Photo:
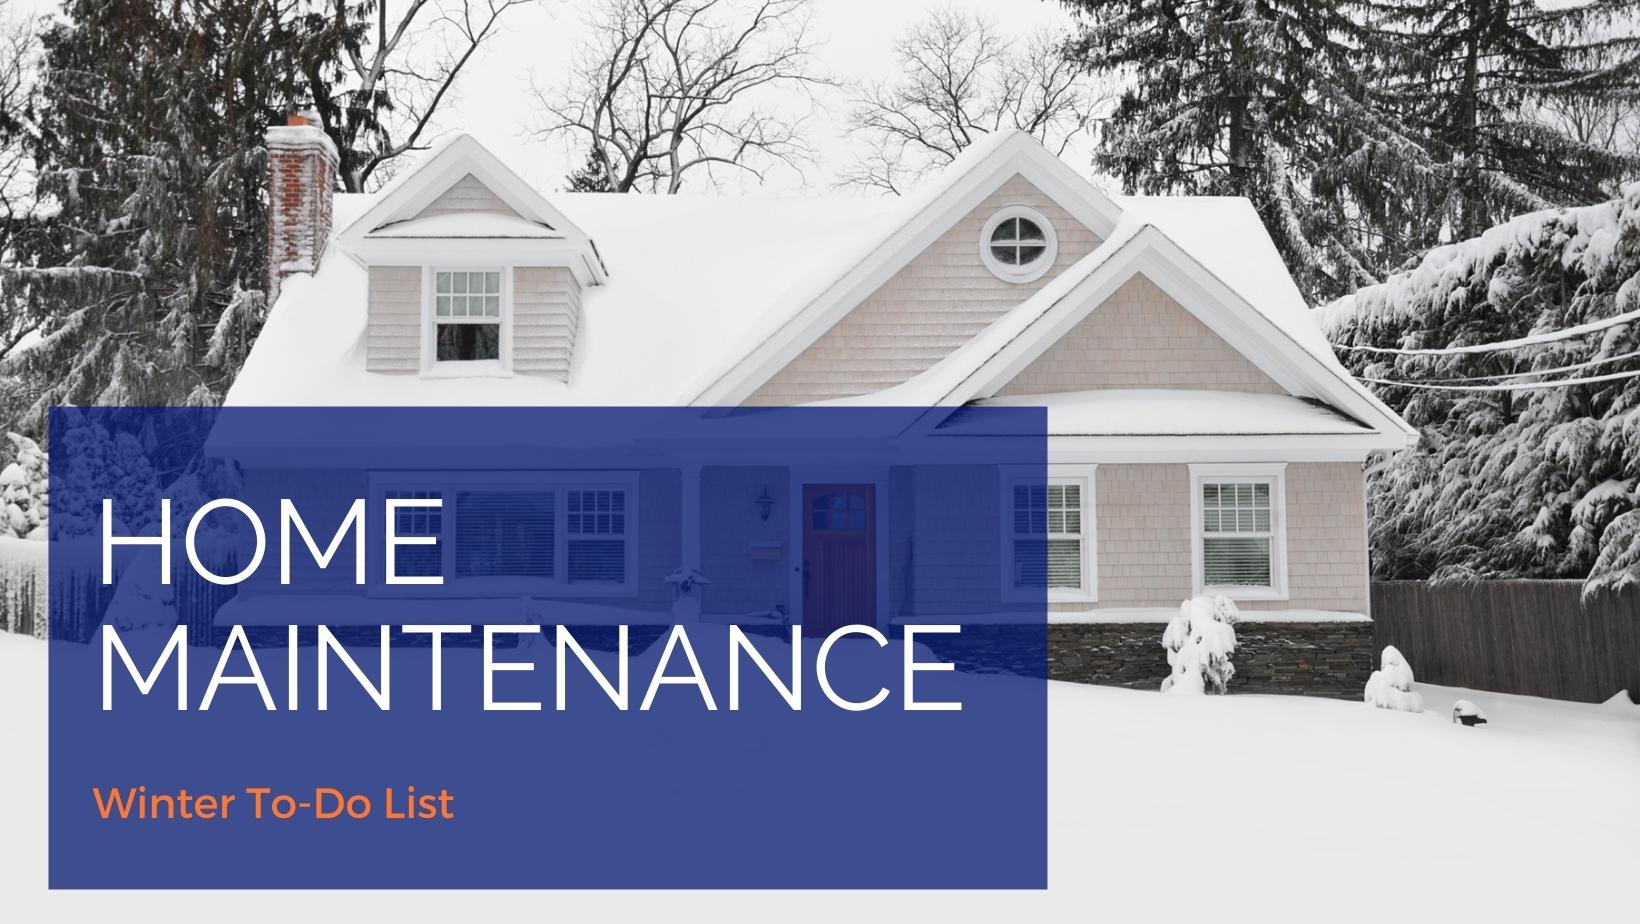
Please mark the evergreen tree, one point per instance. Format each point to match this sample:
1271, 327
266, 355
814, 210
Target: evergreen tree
1468, 79
1366, 131
1528, 463
150, 140
1238, 98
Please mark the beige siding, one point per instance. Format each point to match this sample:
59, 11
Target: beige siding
467, 195
1140, 338
546, 312
393, 340
941, 299
1145, 545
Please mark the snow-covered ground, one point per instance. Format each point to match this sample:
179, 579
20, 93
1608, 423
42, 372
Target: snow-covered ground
1163, 807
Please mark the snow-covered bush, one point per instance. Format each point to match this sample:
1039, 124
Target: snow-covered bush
24, 489
93, 457
1199, 643
1390, 686
686, 592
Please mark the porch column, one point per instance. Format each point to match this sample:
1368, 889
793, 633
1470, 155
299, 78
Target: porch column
690, 539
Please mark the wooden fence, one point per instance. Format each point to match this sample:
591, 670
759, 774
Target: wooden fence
1538, 638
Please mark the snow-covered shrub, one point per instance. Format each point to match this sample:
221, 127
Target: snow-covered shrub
24, 489
1390, 686
93, 457
1199, 643
686, 592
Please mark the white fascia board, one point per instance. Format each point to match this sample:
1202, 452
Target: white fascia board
467, 251
1021, 155
1206, 449
462, 156
1207, 298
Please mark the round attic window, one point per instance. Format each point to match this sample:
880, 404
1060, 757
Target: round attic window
1018, 244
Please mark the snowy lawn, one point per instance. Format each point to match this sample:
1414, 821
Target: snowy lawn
1262, 807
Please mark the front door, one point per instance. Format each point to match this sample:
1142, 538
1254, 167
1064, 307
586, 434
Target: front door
839, 556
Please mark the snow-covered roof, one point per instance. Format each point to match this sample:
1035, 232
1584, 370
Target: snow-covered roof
701, 290
688, 276
1170, 412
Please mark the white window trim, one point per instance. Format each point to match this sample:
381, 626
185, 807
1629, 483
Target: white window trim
430, 366
1276, 474
1082, 473
1018, 274
555, 481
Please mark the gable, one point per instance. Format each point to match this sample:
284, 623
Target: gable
1140, 337
468, 194
935, 303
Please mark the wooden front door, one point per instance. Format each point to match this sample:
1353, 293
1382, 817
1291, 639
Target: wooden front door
839, 556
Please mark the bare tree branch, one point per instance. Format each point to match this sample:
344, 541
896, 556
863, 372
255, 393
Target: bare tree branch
394, 74
668, 89
960, 79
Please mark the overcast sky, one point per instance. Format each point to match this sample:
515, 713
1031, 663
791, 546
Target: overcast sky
496, 106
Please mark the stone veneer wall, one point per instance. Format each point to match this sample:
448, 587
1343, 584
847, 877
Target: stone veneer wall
1330, 659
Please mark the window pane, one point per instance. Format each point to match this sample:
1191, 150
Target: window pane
1236, 562
504, 533
492, 283
1065, 563
443, 308
1028, 231
1030, 254
600, 561
458, 306
462, 342
492, 306
1048, 563
417, 560
1006, 253
443, 282
459, 282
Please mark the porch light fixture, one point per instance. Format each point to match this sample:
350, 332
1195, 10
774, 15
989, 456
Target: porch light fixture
765, 504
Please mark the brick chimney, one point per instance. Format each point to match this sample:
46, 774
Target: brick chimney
301, 182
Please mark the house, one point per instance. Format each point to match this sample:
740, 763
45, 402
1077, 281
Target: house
1202, 435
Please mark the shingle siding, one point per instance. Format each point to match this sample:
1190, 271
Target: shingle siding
1145, 543
938, 301
546, 308
467, 195
1140, 337
393, 338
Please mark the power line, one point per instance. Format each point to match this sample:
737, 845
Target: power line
1505, 376
1512, 386
1532, 340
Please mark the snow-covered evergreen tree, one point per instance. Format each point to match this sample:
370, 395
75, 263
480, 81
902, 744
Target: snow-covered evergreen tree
1365, 132
24, 489
1466, 78
1254, 98
1390, 686
1517, 474
149, 143
1199, 643
94, 456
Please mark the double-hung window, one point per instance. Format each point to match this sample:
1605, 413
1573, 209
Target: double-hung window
519, 533
468, 313
1239, 530
1048, 527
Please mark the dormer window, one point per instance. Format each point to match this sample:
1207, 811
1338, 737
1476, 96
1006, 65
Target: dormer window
1018, 244
467, 316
